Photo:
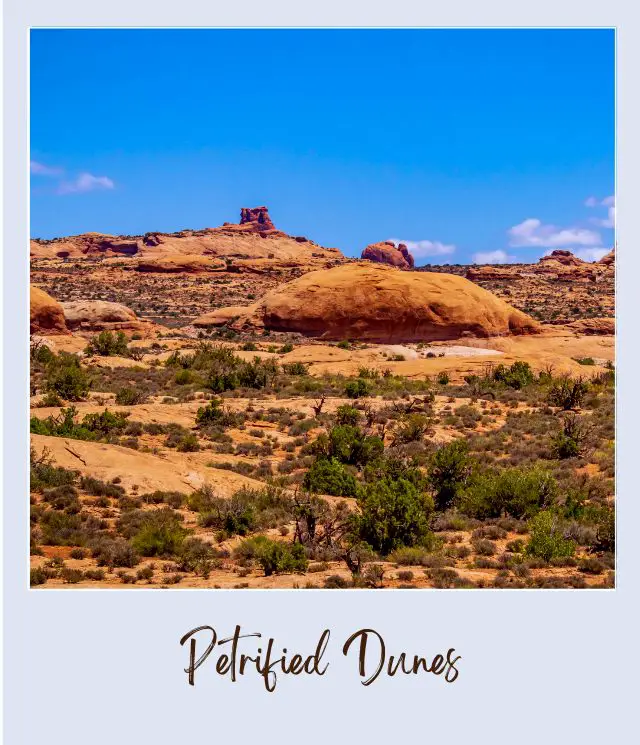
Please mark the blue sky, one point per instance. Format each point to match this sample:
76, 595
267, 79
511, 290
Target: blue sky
485, 145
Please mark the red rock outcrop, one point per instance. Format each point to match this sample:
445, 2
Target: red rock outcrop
386, 252
257, 217
383, 304
609, 259
46, 314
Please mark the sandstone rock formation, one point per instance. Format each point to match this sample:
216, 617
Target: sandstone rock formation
386, 252
609, 259
382, 304
562, 257
594, 326
254, 237
99, 315
257, 217
492, 273
177, 263
46, 314
86, 244
220, 317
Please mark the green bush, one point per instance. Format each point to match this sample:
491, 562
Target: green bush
348, 444
129, 397
546, 540
108, 344
516, 492
346, 414
212, 413
44, 474
188, 444
449, 471
393, 514
295, 368
66, 377
329, 476
159, 533
517, 376
357, 388
275, 557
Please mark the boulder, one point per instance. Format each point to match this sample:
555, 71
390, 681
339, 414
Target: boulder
46, 314
382, 304
100, 315
386, 252
220, 317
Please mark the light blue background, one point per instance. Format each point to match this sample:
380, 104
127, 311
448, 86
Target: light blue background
106, 667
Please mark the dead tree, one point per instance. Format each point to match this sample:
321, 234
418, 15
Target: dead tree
317, 407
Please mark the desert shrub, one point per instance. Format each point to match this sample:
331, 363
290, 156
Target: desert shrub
61, 529
66, 377
569, 443
444, 578
295, 368
196, 556
38, 576
114, 552
275, 557
153, 533
517, 376
392, 514
348, 415
606, 531
336, 582
443, 378
145, 573
418, 555
483, 547
44, 474
184, 377
188, 444
97, 488
71, 576
567, 393
285, 348
108, 344
449, 470
92, 427
357, 388
412, 428
94, 574
212, 413
130, 396
517, 492
350, 445
546, 539
329, 476
406, 575
249, 346
63, 498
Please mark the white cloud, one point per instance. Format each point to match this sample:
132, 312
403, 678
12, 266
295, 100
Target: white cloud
423, 249
610, 203
493, 257
85, 182
40, 169
592, 254
532, 232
